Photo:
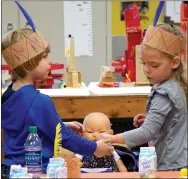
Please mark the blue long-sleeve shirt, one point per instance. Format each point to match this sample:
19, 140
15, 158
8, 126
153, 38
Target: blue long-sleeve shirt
28, 107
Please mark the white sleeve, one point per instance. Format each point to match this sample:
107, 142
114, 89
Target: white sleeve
116, 156
79, 156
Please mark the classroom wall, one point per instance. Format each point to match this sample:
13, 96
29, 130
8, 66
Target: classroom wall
51, 24
108, 31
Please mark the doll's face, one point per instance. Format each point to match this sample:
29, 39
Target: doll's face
96, 125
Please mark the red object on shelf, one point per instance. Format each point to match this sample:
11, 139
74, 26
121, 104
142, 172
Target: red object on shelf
183, 21
184, 11
59, 76
134, 37
50, 79
5, 67
57, 66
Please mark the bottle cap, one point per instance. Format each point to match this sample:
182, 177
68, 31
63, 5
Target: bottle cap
33, 129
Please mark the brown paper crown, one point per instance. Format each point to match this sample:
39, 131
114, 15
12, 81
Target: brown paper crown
24, 50
164, 41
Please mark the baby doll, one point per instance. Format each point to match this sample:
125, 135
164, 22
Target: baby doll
95, 124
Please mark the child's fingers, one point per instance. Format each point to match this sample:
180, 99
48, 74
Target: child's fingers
135, 125
135, 122
79, 125
139, 116
140, 121
142, 115
107, 140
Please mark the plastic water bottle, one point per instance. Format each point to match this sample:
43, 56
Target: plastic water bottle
33, 152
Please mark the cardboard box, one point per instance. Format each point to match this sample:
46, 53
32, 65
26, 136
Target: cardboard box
140, 77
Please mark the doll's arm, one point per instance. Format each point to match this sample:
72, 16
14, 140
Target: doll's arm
119, 162
121, 166
80, 157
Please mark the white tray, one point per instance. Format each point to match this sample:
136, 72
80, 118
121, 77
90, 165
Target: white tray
119, 91
83, 91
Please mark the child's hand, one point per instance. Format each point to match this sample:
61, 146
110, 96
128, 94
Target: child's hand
139, 120
104, 148
104, 136
75, 126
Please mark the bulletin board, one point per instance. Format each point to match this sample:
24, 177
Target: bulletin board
118, 25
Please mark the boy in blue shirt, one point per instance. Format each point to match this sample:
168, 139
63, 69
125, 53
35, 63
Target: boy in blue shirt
27, 55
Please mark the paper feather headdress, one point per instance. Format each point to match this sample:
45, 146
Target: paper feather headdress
164, 41
27, 48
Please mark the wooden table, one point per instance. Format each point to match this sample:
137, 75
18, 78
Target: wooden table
76, 104
113, 106
128, 175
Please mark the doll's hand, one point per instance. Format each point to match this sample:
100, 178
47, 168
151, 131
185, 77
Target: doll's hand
139, 120
104, 148
75, 126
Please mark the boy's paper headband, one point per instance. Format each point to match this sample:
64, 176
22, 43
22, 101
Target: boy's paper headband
27, 48
164, 41
24, 50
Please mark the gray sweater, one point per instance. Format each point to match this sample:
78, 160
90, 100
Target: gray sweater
165, 126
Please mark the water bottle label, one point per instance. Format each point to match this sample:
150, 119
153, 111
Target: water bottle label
33, 158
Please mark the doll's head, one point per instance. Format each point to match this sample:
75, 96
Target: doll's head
96, 123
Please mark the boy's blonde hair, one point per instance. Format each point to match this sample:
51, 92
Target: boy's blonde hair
11, 38
179, 72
